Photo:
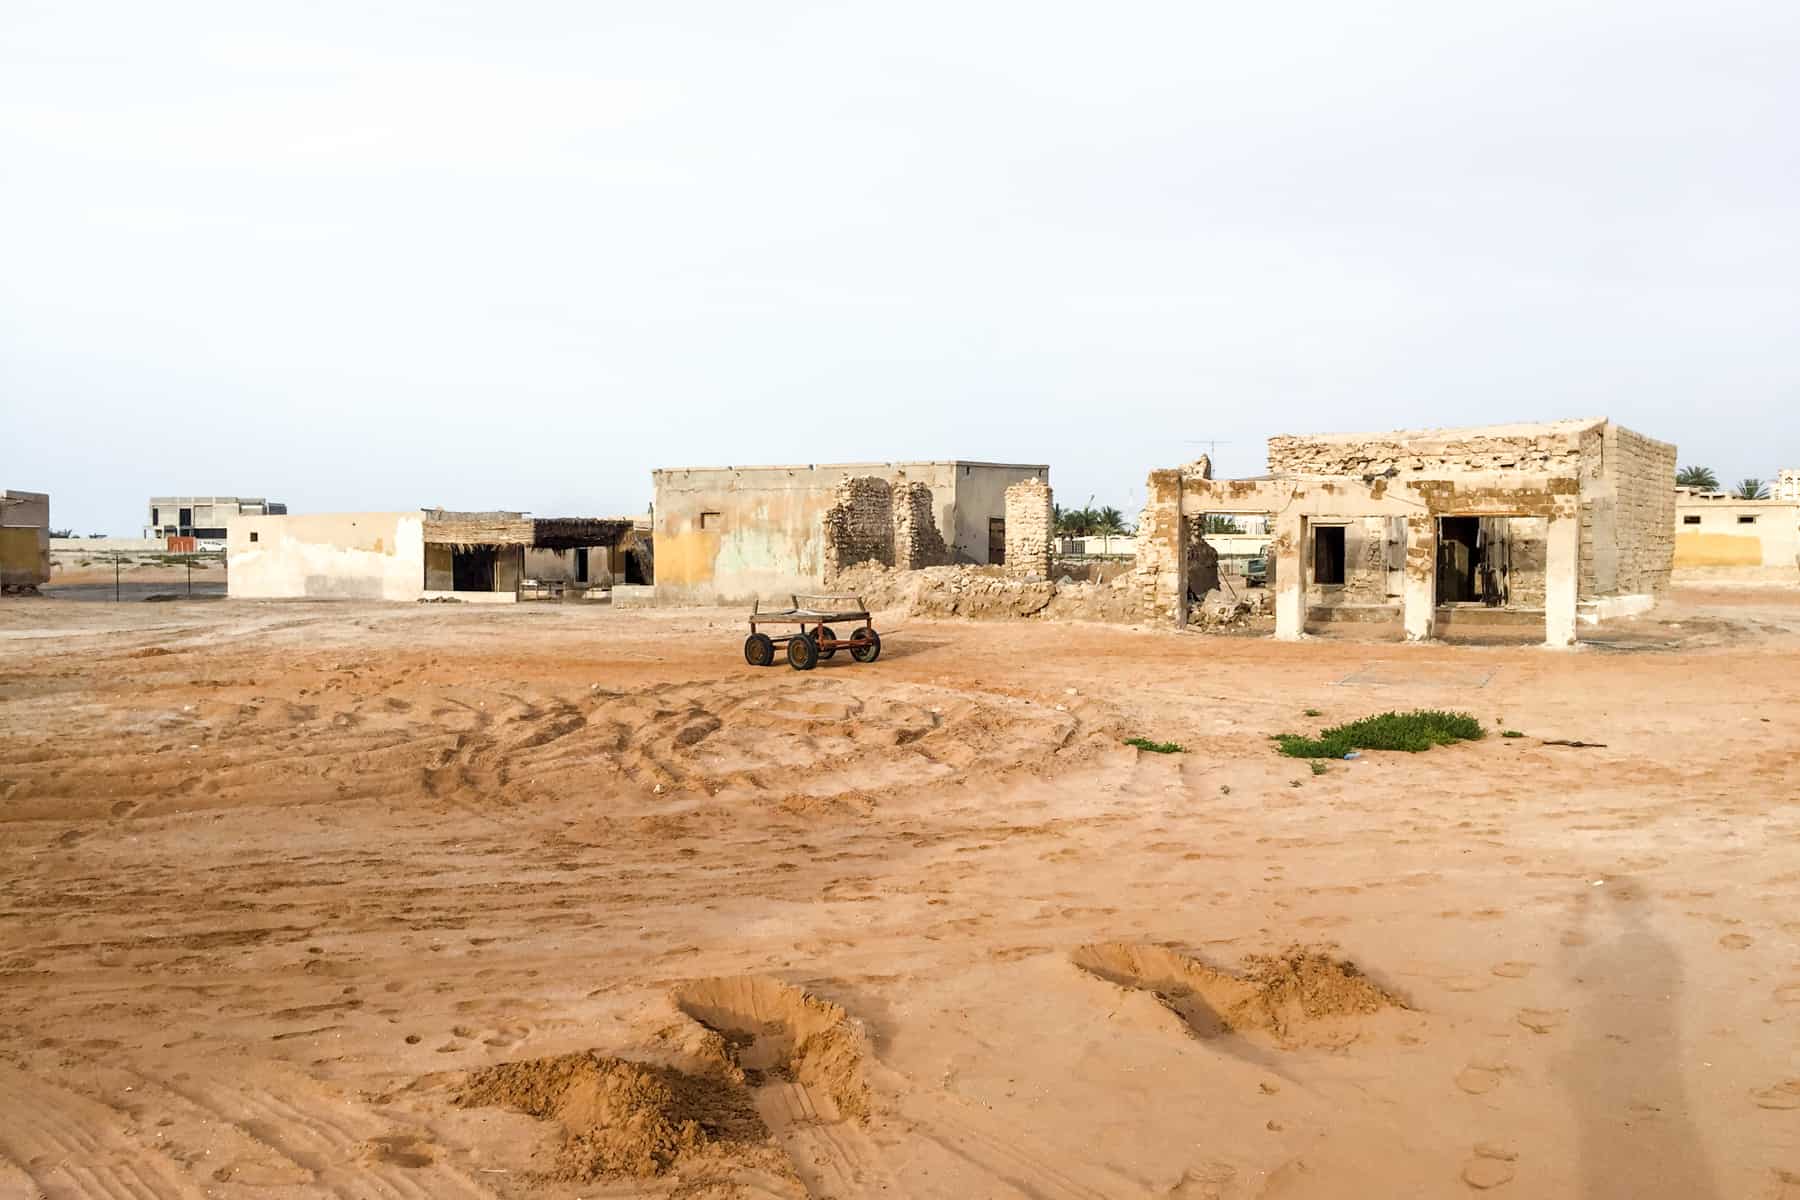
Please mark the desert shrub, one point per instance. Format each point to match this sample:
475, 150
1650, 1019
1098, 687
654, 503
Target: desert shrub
1413, 731
1155, 747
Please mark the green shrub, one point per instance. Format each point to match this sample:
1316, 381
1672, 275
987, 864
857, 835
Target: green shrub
1318, 768
1412, 732
1155, 747
1512, 733
1313, 712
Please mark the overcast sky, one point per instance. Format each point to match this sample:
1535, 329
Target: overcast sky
515, 255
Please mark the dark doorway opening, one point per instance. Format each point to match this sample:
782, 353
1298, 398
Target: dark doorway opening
638, 568
1458, 559
581, 564
1473, 561
996, 539
472, 570
1328, 555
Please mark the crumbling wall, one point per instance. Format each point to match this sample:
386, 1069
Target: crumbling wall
1545, 449
859, 525
1030, 525
917, 540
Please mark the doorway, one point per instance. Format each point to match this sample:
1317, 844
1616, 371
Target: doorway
996, 540
581, 564
1472, 561
1328, 555
472, 569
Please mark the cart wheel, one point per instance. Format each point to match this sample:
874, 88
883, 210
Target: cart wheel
869, 652
759, 651
826, 634
803, 652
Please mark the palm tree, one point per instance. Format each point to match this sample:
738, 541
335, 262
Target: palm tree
1752, 489
1217, 524
1697, 477
1109, 523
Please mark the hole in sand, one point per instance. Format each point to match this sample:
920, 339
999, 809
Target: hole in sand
776, 1029
1300, 996
620, 1117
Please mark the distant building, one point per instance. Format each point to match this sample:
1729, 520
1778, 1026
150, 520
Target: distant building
1787, 486
203, 516
1727, 538
24, 540
428, 554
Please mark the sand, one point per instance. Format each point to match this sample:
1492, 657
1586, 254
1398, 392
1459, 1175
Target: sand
305, 900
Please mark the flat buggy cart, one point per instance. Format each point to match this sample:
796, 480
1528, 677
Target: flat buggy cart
805, 647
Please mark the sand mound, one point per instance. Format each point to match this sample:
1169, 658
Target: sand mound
620, 1117
774, 1028
1299, 996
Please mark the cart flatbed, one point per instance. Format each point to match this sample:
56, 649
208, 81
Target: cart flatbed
805, 649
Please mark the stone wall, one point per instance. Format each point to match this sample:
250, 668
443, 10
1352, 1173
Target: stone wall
1643, 471
1553, 449
859, 525
917, 541
1030, 528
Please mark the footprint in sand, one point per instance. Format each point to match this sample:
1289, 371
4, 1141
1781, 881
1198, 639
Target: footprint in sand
1513, 970
1736, 941
1788, 993
1784, 1096
1489, 1167
1541, 1020
1480, 1078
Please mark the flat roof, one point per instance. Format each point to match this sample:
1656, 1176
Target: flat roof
847, 466
1513, 429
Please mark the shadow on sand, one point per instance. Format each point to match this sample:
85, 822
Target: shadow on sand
1622, 1069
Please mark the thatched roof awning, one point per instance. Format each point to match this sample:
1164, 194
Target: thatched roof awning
477, 528
569, 533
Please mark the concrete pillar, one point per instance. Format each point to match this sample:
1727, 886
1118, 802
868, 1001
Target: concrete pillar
1287, 549
1562, 574
1418, 588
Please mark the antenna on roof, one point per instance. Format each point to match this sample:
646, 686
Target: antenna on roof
1211, 444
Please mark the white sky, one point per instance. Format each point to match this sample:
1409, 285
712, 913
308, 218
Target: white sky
514, 255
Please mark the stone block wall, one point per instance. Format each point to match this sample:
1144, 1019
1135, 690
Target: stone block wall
1627, 513
1643, 470
859, 525
1548, 449
1030, 528
917, 541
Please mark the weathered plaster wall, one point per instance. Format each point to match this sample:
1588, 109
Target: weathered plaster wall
1030, 526
367, 556
980, 495
560, 565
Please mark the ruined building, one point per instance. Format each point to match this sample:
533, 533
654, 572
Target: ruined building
1571, 519
729, 534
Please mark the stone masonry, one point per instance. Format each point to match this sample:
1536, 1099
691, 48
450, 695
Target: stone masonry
1030, 528
859, 525
917, 542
